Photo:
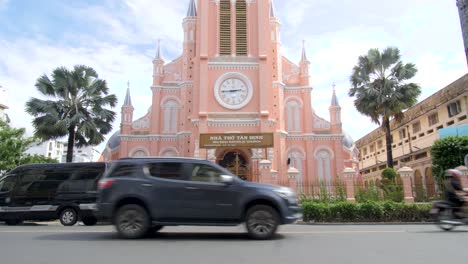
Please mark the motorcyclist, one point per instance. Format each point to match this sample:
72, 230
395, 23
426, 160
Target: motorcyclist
452, 189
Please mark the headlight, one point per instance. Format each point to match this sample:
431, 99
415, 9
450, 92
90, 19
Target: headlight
287, 194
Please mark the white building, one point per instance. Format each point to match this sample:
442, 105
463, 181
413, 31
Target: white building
52, 149
83, 154
3, 103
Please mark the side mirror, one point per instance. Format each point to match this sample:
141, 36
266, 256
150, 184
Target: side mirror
227, 179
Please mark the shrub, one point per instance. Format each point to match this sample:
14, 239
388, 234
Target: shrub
367, 195
389, 174
387, 211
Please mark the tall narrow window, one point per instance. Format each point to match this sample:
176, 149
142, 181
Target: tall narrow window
323, 158
241, 28
225, 27
293, 116
171, 113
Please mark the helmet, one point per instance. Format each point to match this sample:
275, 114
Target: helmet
452, 173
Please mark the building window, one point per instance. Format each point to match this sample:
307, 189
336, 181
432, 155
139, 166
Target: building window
416, 127
364, 151
371, 148
433, 119
453, 108
171, 114
225, 27
293, 116
241, 28
402, 133
379, 144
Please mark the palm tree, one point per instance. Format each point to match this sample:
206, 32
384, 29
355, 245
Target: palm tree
379, 82
75, 107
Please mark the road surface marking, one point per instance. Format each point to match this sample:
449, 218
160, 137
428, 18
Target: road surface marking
209, 232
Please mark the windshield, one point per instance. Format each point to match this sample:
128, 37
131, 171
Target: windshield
7, 183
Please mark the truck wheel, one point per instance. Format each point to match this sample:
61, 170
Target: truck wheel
68, 217
262, 222
13, 222
89, 221
132, 221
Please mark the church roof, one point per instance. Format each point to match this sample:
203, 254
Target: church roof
158, 51
114, 140
272, 9
128, 98
304, 56
192, 10
334, 101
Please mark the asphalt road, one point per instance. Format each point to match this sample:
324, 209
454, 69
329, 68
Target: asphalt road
392, 244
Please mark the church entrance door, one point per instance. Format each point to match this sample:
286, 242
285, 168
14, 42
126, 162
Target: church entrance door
236, 162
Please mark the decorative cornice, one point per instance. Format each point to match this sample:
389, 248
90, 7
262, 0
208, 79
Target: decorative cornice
233, 123
232, 66
173, 86
315, 137
155, 137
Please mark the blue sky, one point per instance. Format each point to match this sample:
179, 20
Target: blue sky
118, 37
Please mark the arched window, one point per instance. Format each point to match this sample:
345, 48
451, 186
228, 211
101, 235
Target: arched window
169, 153
293, 116
225, 27
323, 158
171, 114
139, 153
241, 28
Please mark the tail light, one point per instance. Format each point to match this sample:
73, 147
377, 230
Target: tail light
105, 183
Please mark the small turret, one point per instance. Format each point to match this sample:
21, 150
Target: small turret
127, 112
335, 113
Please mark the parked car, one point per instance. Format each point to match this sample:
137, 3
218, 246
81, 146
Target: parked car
141, 195
45, 192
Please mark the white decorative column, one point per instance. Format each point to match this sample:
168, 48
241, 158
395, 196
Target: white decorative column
293, 173
349, 174
406, 174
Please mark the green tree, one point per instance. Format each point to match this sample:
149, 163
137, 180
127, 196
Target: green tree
75, 107
13, 144
379, 82
448, 153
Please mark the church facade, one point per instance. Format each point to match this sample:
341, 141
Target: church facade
233, 98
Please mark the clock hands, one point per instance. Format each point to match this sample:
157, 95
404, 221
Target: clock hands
231, 91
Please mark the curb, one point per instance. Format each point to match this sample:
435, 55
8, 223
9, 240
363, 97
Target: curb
364, 223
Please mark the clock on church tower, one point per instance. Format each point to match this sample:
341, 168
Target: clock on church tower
233, 91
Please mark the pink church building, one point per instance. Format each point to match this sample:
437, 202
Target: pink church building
233, 98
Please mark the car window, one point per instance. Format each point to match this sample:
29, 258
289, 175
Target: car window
167, 170
206, 173
87, 173
28, 178
7, 184
125, 170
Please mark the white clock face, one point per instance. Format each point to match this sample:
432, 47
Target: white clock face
233, 93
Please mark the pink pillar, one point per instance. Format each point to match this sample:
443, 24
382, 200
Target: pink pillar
265, 171
406, 174
292, 175
349, 174
464, 177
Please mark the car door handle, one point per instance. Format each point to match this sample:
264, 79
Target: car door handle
191, 188
147, 185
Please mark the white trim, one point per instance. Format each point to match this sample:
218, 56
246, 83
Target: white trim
136, 149
294, 98
166, 149
167, 98
298, 149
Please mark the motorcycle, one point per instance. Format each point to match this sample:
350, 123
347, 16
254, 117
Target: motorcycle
443, 214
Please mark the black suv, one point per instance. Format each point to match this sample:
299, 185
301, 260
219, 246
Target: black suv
142, 195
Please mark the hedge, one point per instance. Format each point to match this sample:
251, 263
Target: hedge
365, 212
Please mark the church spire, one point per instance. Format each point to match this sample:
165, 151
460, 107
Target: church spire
334, 101
192, 10
272, 9
128, 98
304, 56
158, 51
